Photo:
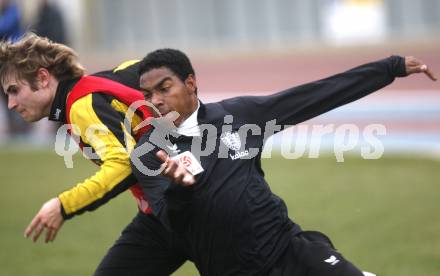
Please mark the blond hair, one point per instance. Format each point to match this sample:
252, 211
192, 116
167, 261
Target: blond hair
25, 57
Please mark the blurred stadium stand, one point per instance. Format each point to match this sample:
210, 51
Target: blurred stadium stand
262, 46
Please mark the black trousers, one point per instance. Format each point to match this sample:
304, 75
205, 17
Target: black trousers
144, 248
311, 253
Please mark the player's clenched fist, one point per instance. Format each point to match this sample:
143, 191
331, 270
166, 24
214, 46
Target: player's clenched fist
173, 170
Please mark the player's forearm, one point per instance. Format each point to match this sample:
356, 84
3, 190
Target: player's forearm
301, 103
113, 178
179, 200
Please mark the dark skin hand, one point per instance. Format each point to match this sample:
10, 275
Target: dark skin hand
414, 65
175, 171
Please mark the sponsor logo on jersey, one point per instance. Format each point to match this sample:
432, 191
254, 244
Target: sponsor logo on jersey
332, 260
173, 148
232, 141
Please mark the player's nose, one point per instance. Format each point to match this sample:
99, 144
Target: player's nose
12, 103
156, 99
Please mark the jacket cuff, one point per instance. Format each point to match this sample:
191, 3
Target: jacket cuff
63, 211
398, 66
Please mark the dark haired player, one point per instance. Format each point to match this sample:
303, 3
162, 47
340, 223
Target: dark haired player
226, 212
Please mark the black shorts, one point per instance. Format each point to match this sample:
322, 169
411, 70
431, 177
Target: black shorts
145, 247
311, 253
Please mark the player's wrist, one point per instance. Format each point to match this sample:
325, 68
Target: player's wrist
62, 209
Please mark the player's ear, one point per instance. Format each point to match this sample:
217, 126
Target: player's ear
43, 77
191, 83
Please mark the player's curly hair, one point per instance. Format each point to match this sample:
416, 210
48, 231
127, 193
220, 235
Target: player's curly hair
26, 56
172, 59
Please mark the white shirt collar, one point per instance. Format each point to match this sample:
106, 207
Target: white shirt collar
190, 127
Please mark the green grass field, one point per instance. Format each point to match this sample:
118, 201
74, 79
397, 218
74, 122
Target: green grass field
384, 215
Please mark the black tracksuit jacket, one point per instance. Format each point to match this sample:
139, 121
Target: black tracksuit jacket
233, 223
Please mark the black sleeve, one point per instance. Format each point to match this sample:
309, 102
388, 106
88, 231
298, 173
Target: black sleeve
169, 201
298, 104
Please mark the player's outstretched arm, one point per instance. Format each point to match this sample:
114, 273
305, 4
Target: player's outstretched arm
414, 66
301, 103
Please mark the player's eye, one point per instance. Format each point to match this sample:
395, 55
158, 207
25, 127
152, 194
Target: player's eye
164, 89
147, 95
12, 90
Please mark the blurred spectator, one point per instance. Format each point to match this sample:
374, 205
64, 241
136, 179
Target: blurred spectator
50, 22
10, 29
10, 20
